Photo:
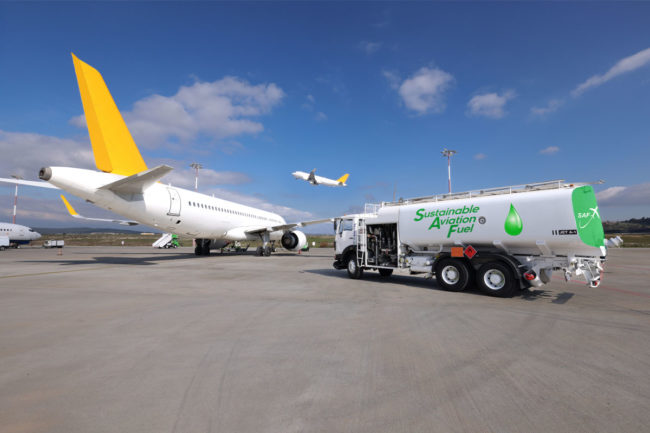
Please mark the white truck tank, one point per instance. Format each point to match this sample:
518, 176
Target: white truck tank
563, 221
499, 239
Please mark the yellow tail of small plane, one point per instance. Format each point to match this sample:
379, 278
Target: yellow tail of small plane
343, 178
113, 147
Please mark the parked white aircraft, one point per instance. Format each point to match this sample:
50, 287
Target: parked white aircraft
126, 186
319, 180
17, 234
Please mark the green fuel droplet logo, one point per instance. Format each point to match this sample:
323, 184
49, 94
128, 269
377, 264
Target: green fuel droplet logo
513, 224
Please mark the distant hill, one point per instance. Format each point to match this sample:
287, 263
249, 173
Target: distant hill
634, 225
59, 230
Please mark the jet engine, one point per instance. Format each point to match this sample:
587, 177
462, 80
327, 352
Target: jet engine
294, 240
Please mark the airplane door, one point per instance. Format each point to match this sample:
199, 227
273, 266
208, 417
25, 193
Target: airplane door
174, 202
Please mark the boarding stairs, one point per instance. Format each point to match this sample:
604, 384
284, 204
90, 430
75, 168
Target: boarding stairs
162, 241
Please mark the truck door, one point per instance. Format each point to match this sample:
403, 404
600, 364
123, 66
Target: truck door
344, 235
174, 202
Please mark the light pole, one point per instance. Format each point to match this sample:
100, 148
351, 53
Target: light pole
196, 166
448, 153
18, 177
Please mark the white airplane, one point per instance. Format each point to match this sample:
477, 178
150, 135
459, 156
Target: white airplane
126, 186
319, 180
17, 234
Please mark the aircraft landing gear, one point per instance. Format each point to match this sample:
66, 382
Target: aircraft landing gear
267, 246
202, 247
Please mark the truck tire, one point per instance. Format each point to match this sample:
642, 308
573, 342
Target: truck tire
259, 251
496, 279
452, 274
198, 249
267, 251
385, 272
354, 270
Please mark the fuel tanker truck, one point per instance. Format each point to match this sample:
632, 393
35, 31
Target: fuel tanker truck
500, 239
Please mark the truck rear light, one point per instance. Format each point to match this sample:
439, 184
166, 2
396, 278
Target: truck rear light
530, 276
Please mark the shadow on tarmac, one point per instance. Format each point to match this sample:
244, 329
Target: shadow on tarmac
430, 284
117, 260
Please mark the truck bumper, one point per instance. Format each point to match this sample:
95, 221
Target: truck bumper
338, 262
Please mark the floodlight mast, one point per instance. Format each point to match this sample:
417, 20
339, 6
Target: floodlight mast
196, 166
16, 176
448, 153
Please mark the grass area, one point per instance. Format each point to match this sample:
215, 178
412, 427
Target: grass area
321, 241
139, 240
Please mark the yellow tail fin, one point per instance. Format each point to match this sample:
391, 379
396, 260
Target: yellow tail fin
343, 178
113, 147
69, 206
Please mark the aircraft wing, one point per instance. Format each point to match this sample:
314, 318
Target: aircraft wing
269, 229
76, 215
28, 183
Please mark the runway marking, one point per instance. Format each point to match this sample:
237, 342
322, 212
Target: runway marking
56, 272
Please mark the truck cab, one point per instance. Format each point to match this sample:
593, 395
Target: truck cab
344, 235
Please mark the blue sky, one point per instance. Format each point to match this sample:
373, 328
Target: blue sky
524, 92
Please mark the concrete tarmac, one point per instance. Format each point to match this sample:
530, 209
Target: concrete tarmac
110, 339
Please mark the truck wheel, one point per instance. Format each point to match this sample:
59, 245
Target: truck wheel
385, 272
495, 279
354, 271
452, 274
267, 251
198, 249
259, 251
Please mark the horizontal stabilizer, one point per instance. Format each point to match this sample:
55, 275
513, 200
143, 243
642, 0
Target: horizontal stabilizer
76, 215
28, 183
137, 183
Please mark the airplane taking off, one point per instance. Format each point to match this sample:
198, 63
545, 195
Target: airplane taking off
17, 234
126, 186
319, 180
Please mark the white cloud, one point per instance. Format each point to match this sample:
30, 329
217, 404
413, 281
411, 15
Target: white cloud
310, 105
370, 47
424, 91
490, 105
480, 156
551, 107
207, 178
392, 77
25, 153
628, 64
219, 109
634, 195
551, 150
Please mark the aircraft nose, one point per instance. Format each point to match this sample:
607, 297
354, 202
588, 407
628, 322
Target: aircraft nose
37, 235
